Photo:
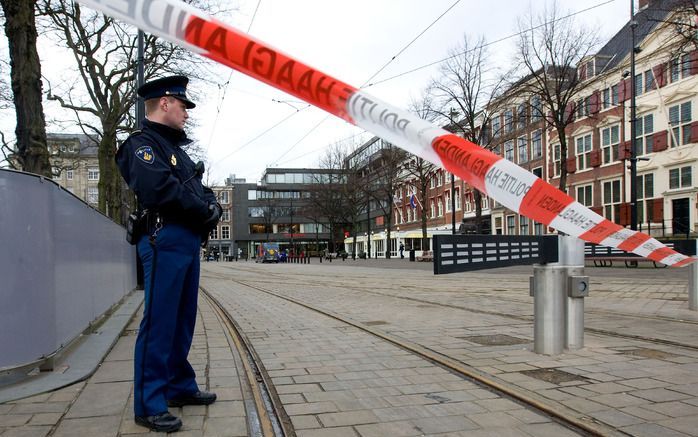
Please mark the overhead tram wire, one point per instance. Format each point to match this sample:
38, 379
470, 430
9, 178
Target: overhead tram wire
489, 44
374, 75
422, 67
450, 57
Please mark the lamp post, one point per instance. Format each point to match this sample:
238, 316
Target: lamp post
140, 104
453, 204
633, 124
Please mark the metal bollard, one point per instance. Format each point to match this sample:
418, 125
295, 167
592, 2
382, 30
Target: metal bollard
571, 255
693, 287
548, 289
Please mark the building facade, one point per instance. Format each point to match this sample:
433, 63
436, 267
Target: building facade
75, 165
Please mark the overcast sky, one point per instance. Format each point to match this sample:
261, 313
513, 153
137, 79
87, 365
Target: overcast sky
351, 41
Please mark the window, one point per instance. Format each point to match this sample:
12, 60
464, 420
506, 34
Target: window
584, 195
433, 209
255, 211
251, 194
583, 152
610, 139
644, 128
457, 198
614, 95
447, 200
69, 175
508, 121
536, 109
680, 120
440, 178
511, 225
538, 228
92, 174
214, 233
638, 84
469, 201
606, 98
521, 116
498, 226
556, 159
611, 200
680, 178
680, 68
645, 191
56, 172
523, 225
432, 182
649, 81
225, 232
538, 171
223, 198
440, 206
496, 126
523, 149
226, 215
536, 145
92, 195
509, 151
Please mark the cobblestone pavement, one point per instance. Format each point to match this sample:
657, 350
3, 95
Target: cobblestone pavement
337, 380
103, 405
638, 387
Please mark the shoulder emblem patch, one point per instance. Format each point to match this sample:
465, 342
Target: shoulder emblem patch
145, 154
173, 160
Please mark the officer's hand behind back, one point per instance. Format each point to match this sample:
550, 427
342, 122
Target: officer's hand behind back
215, 214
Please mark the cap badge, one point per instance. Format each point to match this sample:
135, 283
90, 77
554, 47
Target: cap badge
173, 160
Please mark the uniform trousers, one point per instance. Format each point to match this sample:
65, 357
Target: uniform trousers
171, 279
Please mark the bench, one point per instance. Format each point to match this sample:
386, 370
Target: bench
427, 255
630, 261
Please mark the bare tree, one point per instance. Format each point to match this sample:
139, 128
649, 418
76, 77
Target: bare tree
682, 18
417, 172
25, 72
466, 96
328, 191
384, 183
550, 47
102, 94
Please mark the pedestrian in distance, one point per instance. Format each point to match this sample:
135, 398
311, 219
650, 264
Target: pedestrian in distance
177, 215
402, 251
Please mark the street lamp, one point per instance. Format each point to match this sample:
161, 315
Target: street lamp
633, 123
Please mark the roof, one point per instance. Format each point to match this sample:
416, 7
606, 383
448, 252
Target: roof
649, 18
87, 145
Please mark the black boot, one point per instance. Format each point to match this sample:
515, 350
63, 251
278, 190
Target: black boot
198, 398
163, 422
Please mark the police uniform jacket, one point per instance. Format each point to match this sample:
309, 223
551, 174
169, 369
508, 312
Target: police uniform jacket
162, 175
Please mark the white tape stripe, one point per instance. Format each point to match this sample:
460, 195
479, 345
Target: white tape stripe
576, 219
648, 247
508, 183
396, 126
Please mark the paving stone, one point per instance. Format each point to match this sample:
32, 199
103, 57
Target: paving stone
660, 395
673, 409
347, 418
304, 422
327, 432
394, 429
443, 424
225, 427
651, 430
616, 418
311, 408
28, 431
105, 426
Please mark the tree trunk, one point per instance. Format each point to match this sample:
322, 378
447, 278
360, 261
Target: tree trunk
25, 74
563, 159
110, 186
477, 198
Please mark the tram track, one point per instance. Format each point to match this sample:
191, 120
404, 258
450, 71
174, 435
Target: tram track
582, 424
372, 289
264, 411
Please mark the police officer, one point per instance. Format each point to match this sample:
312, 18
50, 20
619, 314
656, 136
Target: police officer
180, 214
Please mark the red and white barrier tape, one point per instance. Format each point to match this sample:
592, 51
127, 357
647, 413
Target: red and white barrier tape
507, 183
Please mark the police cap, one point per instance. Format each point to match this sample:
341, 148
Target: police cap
172, 86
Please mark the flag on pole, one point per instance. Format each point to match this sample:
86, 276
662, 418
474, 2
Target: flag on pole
413, 200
